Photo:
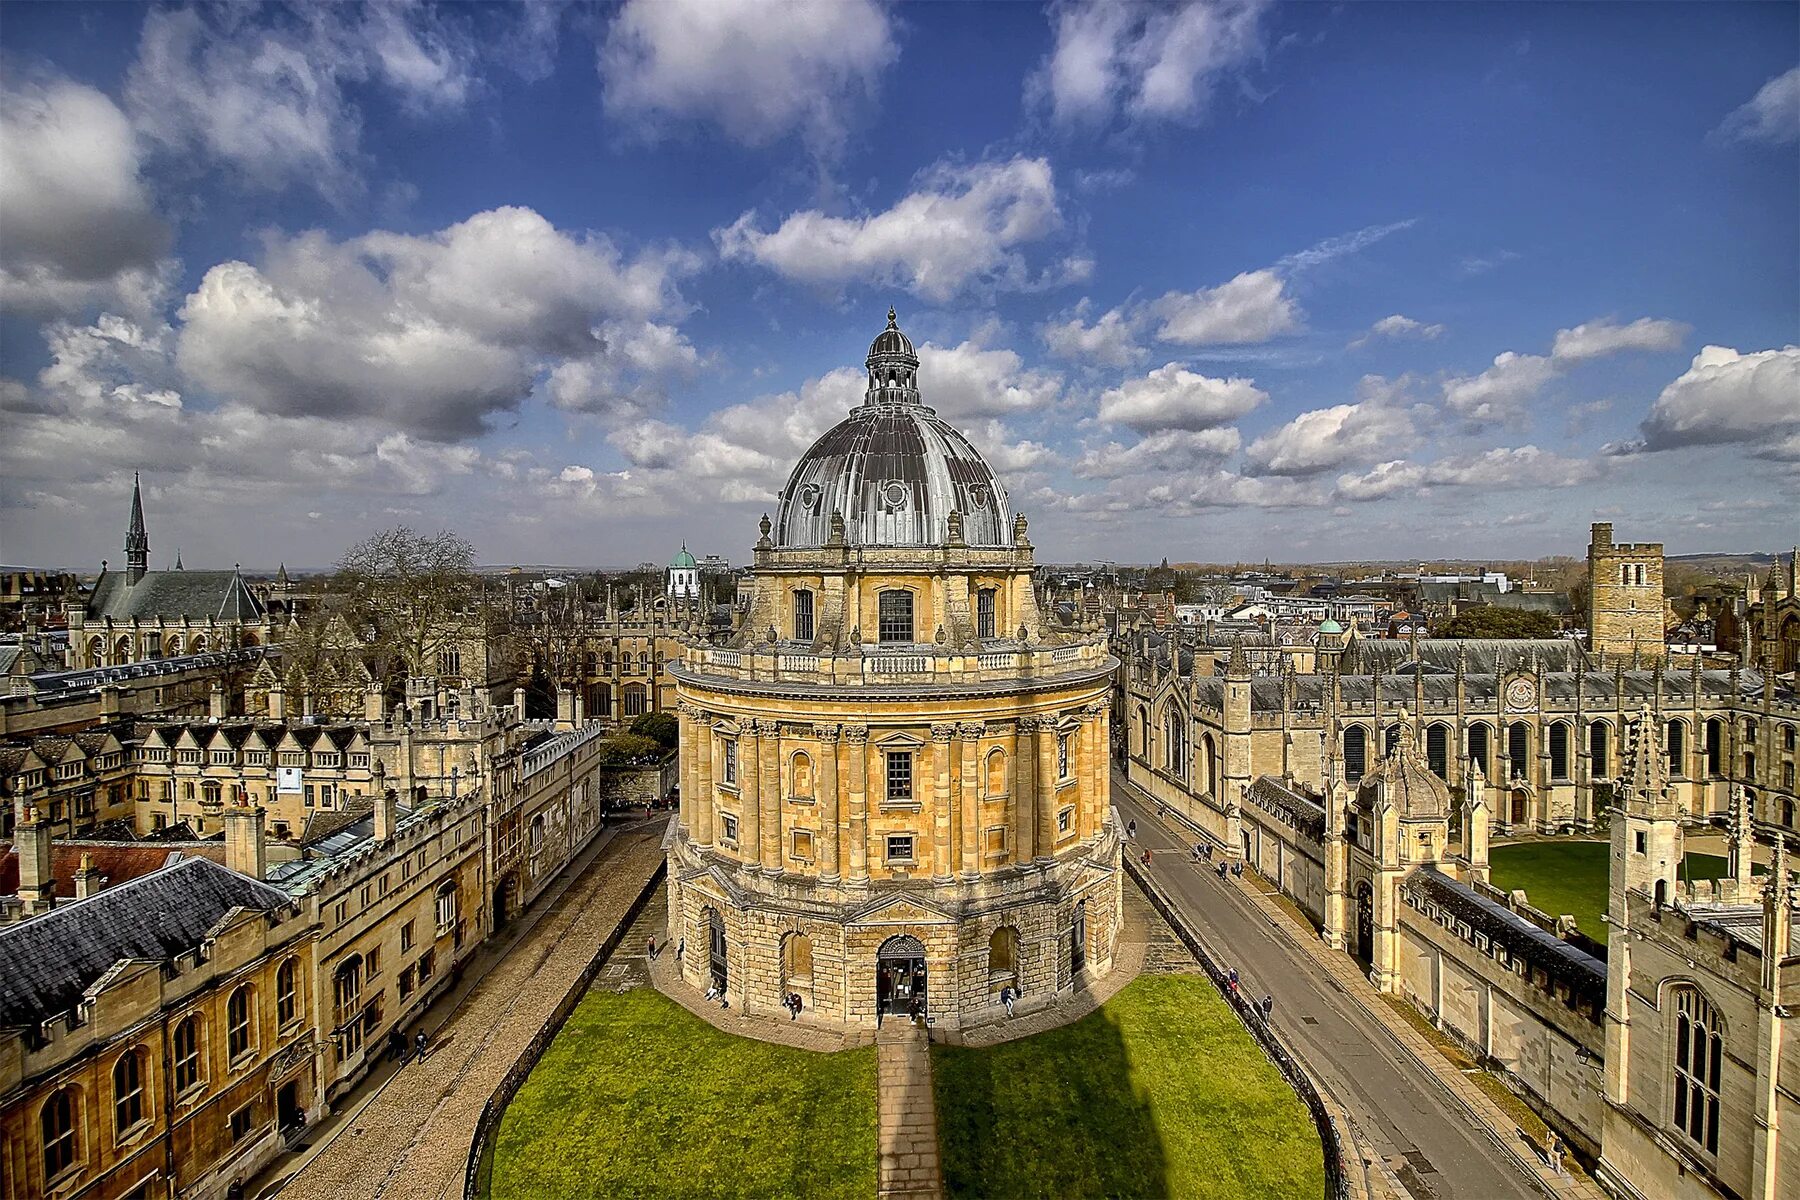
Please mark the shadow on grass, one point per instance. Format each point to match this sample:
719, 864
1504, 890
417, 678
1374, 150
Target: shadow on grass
1047, 1118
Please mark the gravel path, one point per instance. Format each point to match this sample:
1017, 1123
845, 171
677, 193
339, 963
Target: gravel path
411, 1142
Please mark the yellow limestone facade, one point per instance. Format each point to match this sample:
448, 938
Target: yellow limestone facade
894, 789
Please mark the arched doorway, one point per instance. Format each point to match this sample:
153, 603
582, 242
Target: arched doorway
1521, 805
506, 899
715, 937
900, 976
1365, 925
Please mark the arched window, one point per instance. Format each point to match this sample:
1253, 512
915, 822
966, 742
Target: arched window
287, 991
634, 699
1143, 731
1003, 956
187, 1054
128, 1091
1559, 751
450, 662
1518, 750
1437, 749
1788, 737
1175, 745
238, 1039
1676, 745
122, 651
895, 616
996, 772
797, 960
1356, 753
1390, 740
1478, 747
1787, 813
803, 615
984, 613
1698, 1049
1597, 749
58, 1124
1715, 747
199, 646
800, 776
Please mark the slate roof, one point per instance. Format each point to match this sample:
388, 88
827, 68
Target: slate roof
322, 825
1582, 972
1484, 655
1481, 691
172, 595
52, 959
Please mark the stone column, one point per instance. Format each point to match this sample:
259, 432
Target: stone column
826, 790
749, 754
856, 741
704, 799
1094, 751
941, 752
1047, 776
769, 789
972, 788
1023, 786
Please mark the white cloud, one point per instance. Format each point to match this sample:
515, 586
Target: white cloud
269, 99
1502, 467
1111, 341
970, 380
1725, 396
1253, 307
1325, 438
958, 226
81, 227
1398, 327
1172, 397
1597, 339
1501, 393
433, 333
759, 69
1168, 450
1772, 115
1142, 62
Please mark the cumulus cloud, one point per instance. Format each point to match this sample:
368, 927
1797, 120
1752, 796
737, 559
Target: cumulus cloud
1724, 397
1143, 63
1771, 116
432, 334
960, 225
1168, 450
972, 380
1110, 341
1398, 327
1253, 307
1502, 467
81, 227
1326, 438
270, 100
1502, 393
1173, 397
759, 69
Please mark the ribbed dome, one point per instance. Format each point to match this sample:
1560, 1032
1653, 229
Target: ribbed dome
1411, 785
893, 469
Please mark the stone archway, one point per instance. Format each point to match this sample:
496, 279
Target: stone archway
900, 976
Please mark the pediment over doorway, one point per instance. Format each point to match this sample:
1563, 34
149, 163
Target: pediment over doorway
901, 910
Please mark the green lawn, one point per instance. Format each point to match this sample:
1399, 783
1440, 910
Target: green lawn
1160, 1093
1571, 877
638, 1097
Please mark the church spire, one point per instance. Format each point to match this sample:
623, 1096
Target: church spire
137, 542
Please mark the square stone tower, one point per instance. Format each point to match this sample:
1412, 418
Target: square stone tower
1625, 595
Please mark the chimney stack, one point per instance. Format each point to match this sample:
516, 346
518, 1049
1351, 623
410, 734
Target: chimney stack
37, 882
245, 851
87, 878
215, 701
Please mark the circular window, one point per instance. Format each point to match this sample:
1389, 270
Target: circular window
809, 496
894, 494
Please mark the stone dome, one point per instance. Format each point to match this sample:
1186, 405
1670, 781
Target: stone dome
1411, 786
893, 469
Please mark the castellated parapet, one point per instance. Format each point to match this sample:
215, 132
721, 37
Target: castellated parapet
1625, 595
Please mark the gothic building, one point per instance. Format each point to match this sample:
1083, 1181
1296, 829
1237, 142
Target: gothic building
894, 787
1625, 595
1773, 619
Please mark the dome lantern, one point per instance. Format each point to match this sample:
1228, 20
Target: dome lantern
893, 367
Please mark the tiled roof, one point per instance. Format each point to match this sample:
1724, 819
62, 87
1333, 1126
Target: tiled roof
172, 595
117, 863
52, 959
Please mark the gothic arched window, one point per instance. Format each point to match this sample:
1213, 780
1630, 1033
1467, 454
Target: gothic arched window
1698, 1050
1175, 752
58, 1126
1356, 753
128, 1091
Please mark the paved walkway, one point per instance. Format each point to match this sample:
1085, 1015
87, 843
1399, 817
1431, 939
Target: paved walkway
406, 1136
907, 1128
1437, 1134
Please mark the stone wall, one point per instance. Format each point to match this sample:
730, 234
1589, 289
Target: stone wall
628, 786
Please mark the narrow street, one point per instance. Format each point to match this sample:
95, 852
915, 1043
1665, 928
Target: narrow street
1400, 1109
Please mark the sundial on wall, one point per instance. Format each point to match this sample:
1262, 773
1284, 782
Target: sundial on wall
1521, 693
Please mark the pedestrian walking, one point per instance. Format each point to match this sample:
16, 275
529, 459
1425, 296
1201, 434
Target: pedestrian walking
396, 1047
799, 1005
1268, 1006
651, 947
1146, 856
419, 1045
680, 949
1196, 852
712, 992
1221, 870
1131, 829
1237, 869
1007, 995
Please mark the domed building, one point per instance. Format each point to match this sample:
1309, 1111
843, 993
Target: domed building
684, 577
894, 774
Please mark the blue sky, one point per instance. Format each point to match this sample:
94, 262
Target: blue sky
1214, 282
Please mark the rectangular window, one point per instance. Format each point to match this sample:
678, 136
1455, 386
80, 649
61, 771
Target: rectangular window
1065, 820
728, 765
899, 776
896, 616
900, 848
984, 613
728, 827
995, 840
803, 616
406, 982
406, 936
1063, 756
425, 961
1640, 843
242, 1121
803, 845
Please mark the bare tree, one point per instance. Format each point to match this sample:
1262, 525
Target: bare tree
409, 595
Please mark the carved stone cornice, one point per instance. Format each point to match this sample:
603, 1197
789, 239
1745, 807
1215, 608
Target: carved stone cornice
943, 733
856, 735
970, 730
825, 733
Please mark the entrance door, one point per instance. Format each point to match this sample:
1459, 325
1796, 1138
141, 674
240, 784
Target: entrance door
900, 977
288, 1113
1518, 807
716, 939
1078, 940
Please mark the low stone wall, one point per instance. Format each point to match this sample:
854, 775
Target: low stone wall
627, 786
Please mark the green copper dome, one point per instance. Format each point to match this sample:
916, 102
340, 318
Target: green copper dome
684, 559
